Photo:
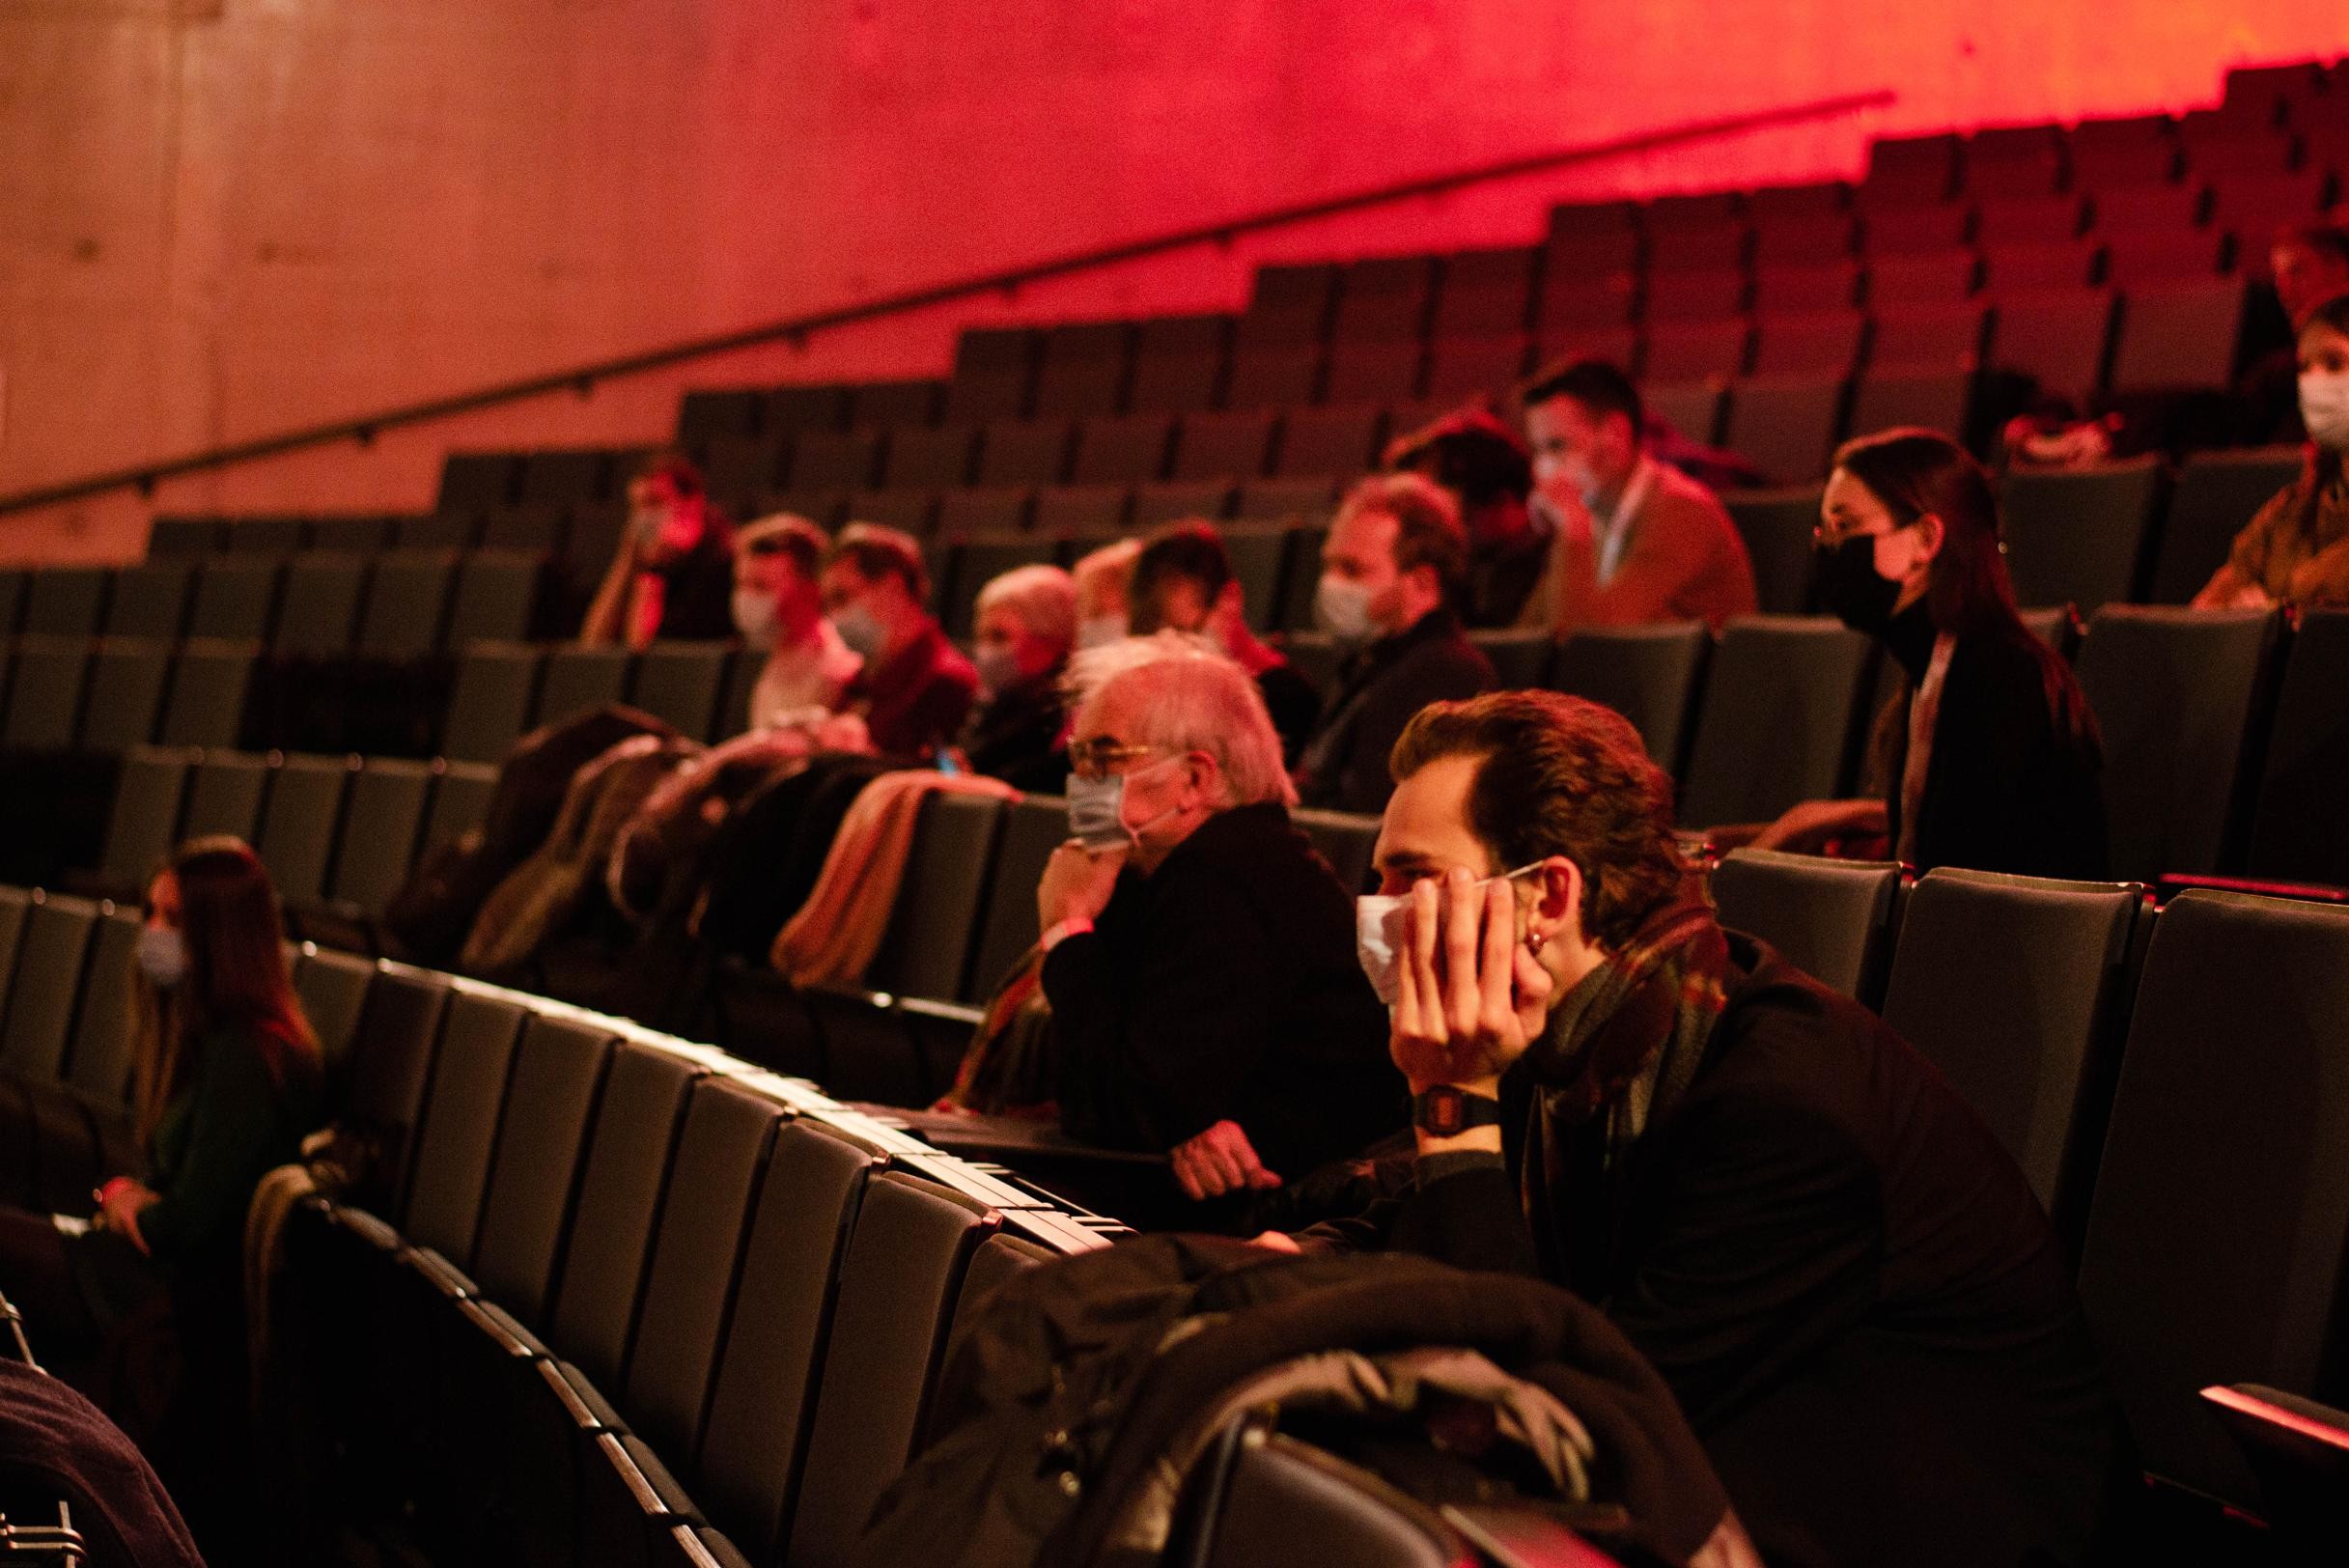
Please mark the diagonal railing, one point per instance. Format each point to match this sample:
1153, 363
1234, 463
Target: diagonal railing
797, 329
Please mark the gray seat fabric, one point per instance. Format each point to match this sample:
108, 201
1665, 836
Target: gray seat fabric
125, 694
236, 598
461, 802
905, 1263
1345, 839
441, 1208
690, 1277
748, 1474
298, 826
407, 601
1032, 829
146, 819
578, 679
319, 613
497, 596
1832, 919
1000, 1257
1282, 1491
473, 481
2217, 1237
66, 601
2013, 987
681, 681
210, 682
333, 989
50, 956
1522, 659
44, 699
1649, 674
150, 600
526, 1200
2082, 536
388, 1067
1782, 720
2177, 696
492, 703
2297, 828
2217, 494
926, 950
99, 1063
636, 1129
225, 795
388, 796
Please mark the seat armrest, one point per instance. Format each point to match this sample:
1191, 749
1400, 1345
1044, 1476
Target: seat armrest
499, 1328
588, 1409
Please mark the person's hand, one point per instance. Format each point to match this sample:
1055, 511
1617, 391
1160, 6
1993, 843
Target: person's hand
2249, 596
1804, 829
1077, 883
841, 732
1562, 506
1277, 1241
1219, 1161
119, 1203
1466, 1022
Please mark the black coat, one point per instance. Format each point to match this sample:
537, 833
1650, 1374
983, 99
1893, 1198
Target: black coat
1848, 1284
2006, 789
1344, 767
1224, 985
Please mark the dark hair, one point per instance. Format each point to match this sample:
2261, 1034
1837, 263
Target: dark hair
1428, 531
785, 534
1192, 551
1469, 453
2330, 240
1560, 775
878, 552
1968, 591
1599, 385
672, 464
235, 978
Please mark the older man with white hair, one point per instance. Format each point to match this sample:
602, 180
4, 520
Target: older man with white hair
1200, 957
1026, 623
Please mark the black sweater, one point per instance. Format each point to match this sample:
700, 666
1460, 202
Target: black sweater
1846, 1282
1224, 985
1344, 764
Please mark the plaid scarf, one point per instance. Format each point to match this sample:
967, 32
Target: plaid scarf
1622, 1047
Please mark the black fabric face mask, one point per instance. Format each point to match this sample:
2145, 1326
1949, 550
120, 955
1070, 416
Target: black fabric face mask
1850, 588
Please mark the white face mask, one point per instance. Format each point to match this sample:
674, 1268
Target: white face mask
861, 630
2324, 409
1378, 932
162, 955
1100, 631
1097, 810
1343, 609
998, 667
756, 616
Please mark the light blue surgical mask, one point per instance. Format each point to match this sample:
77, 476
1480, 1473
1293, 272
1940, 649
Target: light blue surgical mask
1097, 810
861, 630
1343, 609
1379, 933
162, 955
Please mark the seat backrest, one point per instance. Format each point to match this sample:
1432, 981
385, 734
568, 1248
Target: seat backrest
2178, 697
333, 989
763, 1398
407, 601
236, 598
2013, 987
1282, 1491
997, 1259
298, 829
15, 905
461, 802
127, 681
578, 677
681, 681
2216, 493
1782, 720
209, 685
386, 809
490, 704
1520, 660
498, 597
2217, 1234
145, 823
49, 959
442, 1205
525, 1203
225, 795
1832, 919
695, 1254
2081, 535
44, 700
905, 1263
387, 1068
319, 612
66, 601
2297, 828
1649, 674
619, 1194
1345, 839
926, 948
99, 1063
1032, 829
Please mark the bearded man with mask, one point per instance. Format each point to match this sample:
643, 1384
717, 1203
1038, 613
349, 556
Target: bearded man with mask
674, 570
1986, 753
915, 690
1635, 540
1843, 1277
1390, 571
1182, 581
1200, 955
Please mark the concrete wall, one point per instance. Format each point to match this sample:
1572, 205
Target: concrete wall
222, 218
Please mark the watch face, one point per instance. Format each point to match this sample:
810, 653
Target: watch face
1440, 1112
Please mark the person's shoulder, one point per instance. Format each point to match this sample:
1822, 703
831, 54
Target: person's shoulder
1447, 655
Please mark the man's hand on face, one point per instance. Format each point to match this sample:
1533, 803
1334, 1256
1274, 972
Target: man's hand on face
1217, 1162
1077, 883
1469, 998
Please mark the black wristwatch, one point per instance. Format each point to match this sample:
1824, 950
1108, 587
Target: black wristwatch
1447, 1109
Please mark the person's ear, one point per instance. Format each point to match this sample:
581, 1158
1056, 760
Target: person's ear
1930, 534
1201, 776
1556, 912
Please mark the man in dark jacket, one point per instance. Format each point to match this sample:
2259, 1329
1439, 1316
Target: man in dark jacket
1200, 963
1845, 1280
1390, 571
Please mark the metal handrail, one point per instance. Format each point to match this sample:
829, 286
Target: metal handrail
797, 329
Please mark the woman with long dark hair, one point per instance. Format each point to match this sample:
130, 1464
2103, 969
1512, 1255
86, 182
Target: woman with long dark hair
1986, 754
226, 1082
2296, 550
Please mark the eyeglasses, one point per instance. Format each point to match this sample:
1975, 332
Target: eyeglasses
1095, 758
1826, 534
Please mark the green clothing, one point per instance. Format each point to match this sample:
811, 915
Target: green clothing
217, 1137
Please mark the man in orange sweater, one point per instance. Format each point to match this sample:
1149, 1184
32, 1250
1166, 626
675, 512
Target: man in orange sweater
1635, 539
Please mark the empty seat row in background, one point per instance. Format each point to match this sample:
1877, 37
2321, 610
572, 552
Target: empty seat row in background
2195, 1185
